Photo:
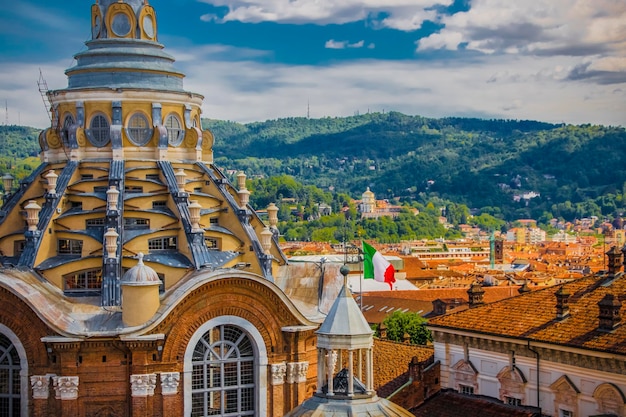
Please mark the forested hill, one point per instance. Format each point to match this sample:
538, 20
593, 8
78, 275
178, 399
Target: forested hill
476, 162
510, 168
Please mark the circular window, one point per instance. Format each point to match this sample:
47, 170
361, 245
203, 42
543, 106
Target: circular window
139, 131
175, 133
121, 25
99, 130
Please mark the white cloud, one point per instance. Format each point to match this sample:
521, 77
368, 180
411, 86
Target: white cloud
333, 44
404, 15
500, 86
566, 27
19, 91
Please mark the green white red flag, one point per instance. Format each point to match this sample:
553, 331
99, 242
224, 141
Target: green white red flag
376, 267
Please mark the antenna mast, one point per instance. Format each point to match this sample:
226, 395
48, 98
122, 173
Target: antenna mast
6, 112
43, 90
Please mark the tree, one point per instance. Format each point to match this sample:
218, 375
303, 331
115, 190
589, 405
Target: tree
400, 323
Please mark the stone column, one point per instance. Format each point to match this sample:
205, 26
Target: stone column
278, 372
332, 358
142, 386
350, 373
41, 392
172, 402
321, 369
66, 390
369, 364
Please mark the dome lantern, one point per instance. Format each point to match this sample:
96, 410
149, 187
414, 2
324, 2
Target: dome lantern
140, 293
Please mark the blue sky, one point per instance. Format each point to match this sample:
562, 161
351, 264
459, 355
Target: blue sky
253, 60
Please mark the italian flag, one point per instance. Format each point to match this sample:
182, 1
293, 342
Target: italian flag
376, 267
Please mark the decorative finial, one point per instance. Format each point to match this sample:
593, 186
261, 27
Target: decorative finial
140, 258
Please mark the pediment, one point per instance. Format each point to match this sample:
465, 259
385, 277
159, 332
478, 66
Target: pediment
564, 385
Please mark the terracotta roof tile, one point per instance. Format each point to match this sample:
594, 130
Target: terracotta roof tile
532, 316
452, 404
391, 363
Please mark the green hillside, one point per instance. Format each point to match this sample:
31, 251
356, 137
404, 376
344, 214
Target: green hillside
508, 168
572, 171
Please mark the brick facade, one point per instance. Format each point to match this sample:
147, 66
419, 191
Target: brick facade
104, 366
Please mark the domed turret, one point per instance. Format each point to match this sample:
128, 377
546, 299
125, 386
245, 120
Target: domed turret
140, 293
343, 340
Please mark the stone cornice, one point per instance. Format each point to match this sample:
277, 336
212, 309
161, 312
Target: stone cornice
588, 359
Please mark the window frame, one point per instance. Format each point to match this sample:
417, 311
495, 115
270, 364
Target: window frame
466, 389
89, 276
99, 136
144, 133
74, 247
24, 373
163, 243
260, 364
175, 134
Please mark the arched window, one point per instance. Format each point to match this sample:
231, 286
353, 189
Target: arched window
139, 130
226, 368
175, 133
99, 130
223, 374
68, 121
13, 375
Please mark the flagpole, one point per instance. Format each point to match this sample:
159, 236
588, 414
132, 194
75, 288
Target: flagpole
361, 279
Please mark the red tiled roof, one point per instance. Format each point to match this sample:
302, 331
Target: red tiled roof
391, 363
533, 316
376, 308
452, 404
492, 294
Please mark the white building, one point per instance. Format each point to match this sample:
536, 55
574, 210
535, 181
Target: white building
560, 348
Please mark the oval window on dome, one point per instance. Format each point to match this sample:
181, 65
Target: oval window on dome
139, 130
175, 132
99, 131
148, 26
121, 25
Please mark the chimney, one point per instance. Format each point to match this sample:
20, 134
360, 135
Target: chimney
475, 295
382, 331
524, 288
609, 316
624, 257
615, 260
562, 303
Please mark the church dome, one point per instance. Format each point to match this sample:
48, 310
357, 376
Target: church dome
126, 169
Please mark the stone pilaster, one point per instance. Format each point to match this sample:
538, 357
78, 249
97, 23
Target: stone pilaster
278, 372
172, 401
142, 387
296, 374
40, 385
66, 390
